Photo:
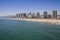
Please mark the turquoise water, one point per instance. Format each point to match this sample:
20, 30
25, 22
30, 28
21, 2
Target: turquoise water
24, 30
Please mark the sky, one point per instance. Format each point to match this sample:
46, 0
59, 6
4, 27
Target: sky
12, 7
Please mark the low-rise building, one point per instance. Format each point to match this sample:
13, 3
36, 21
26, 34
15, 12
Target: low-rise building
58, 16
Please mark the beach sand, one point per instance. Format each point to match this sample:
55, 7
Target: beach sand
52, 21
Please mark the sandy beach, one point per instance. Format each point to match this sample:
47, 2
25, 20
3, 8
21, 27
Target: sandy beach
52, 21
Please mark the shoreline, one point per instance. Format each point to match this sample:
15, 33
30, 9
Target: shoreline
52, 21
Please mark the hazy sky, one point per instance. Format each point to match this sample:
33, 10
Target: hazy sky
12, 7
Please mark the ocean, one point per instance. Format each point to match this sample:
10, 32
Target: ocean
25, 30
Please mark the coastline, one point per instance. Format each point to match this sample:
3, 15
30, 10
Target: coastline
52, 21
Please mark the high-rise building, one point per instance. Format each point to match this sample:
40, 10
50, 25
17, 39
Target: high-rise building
33, 15
45, 14
18, 15
38, 15
24, 15
29, 15
21, 15
54, 14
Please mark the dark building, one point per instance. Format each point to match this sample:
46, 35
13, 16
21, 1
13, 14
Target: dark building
21, 15
45, 14
24, 15
38, 15
49, 16
18, 15
54, 14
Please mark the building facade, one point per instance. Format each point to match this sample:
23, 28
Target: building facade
38, 15
45, 14
58, 16
54, 14
23, 15
18, 15
33, 15
49, 16
29, 15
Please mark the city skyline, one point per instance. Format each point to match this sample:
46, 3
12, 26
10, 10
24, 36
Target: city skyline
37, 15
12, 7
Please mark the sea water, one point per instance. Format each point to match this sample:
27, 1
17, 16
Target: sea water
25, 30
